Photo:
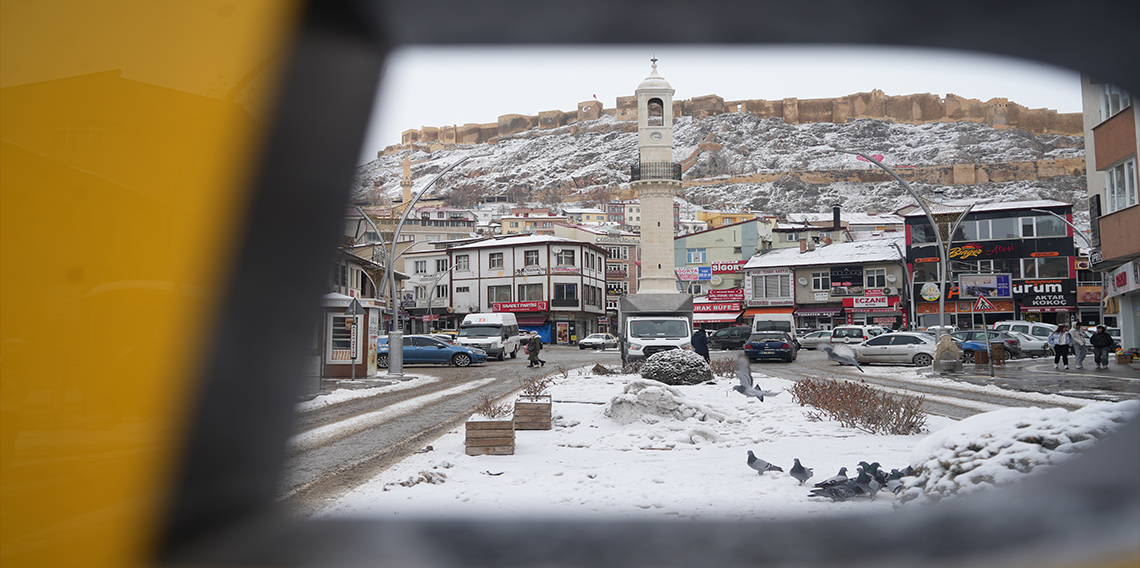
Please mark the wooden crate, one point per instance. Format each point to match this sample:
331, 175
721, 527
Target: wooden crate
533, 412
490, 437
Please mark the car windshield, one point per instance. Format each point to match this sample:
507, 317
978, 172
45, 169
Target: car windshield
773, 325
479, 331
595, 336
659, 328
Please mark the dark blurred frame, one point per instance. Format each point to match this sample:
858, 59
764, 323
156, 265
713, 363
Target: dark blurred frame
222, 510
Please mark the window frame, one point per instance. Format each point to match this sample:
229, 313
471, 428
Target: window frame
1119, 198
496, 260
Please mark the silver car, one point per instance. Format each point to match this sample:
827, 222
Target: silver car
901, 347
598, 341
815, 339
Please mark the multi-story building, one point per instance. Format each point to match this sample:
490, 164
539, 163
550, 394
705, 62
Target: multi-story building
584, 215
871, 224
861, 282
555, 286
623, 256
1026, 253
789, 235
1112, 134
717, 219
427, 291
535, 221
711, 264
626, 214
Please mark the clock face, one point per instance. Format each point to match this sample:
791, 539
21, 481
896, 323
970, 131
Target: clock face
656, 137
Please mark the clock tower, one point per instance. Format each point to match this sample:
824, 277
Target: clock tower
656, 179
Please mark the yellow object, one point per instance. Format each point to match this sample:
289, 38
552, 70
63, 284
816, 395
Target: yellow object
128, 134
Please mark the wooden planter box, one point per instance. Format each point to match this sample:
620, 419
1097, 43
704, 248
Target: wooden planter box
490, 437
533, 412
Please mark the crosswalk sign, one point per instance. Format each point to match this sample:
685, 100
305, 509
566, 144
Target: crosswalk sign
983, 305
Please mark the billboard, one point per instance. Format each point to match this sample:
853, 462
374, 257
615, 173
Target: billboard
970, 286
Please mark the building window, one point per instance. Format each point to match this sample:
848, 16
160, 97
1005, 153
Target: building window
498, 294
793, 237
495, 260
1121, 187
441, 291
737, 250
876, 277
619, 253
421, 292
1115, 100
1053, 267
530, 258
565, 291
462, 262
772, 286
439, 215
821, 281
441, 265
514, 224
695, 289
421, 267
565, 258
462, 289
530, 292
695, 256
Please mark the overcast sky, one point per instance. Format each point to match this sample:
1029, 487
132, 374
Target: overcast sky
443, 86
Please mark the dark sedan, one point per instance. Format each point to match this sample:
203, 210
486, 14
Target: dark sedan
771, 345
424, 349
730, 337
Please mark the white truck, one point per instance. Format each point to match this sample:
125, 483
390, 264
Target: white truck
496, 333
649, 323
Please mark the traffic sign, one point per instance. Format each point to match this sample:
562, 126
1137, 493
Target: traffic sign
983, 305
354, 309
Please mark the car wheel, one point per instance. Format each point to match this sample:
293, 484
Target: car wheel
1006, 356
502, 355
1048, 352
515, 353
923, 360
382, 361
464, 360
581, 347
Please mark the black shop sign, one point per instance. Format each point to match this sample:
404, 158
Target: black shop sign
1045, 294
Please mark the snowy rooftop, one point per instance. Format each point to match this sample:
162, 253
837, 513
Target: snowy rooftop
512, 240
951, 205
875, 250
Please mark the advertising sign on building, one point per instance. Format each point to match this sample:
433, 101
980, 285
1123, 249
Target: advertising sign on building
729, 295
728, 266
1059, 295
716, 307
520, 306
694, 273
530, 271
565, 270
988, 285
846, 280
871, 302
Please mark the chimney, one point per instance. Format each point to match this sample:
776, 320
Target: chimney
835, 223
803, 246
810, 244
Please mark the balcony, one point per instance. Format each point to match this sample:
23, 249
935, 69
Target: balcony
655, 170
564, 303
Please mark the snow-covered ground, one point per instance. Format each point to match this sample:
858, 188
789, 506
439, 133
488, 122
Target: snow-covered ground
693, 464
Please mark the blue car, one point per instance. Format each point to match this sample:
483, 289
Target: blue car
424, 349
770, 345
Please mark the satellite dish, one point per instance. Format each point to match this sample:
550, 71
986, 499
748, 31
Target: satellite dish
891, 278
555, 250
802, 281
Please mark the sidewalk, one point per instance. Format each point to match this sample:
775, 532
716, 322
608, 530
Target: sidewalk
1038, 365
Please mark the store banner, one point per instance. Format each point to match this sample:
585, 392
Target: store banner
728, 266
706, 307
984, 250
729, 295
520, 306
846, 280
1124, 279
1033, 295
854, 304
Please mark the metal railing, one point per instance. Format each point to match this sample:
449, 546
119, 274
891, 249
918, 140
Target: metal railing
655, 170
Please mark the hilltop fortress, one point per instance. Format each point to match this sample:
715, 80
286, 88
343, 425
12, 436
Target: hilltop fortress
914, 109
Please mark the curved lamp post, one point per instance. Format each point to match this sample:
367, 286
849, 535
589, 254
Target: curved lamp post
396, 333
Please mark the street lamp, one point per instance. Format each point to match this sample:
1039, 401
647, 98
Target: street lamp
396, 333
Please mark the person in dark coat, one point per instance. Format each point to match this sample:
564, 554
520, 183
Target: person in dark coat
533, 347
700, 343
1102, 345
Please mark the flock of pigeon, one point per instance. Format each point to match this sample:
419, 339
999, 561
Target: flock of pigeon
839, 487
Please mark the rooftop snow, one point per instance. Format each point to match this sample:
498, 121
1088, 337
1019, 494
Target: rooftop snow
875, 250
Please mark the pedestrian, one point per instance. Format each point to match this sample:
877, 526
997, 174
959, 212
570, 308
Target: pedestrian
1080, 344
700, 343
1059, 341
1102, 345
533, 346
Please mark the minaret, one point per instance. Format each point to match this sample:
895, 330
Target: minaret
406, 183
656, 178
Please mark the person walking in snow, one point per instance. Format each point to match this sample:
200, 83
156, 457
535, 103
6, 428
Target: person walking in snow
1102, 345
533, 346
1080, 345
1059, 341
700, 343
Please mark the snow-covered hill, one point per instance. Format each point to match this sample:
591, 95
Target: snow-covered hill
568, 163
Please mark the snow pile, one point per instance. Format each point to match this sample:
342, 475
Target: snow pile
677, 367
646, 397
1000, 447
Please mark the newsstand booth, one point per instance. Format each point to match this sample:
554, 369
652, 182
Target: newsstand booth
337, 351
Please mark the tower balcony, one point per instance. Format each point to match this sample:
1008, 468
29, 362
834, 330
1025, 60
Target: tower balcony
645, 171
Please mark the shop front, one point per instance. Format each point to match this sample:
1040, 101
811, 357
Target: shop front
886, 311
1050, 301
711, 316
531, 316
819, 317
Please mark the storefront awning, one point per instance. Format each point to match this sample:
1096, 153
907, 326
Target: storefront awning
531, 320
780, 310
820, 311
713, 317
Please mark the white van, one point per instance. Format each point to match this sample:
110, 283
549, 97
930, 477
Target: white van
495, 333
1034, 328
776, 322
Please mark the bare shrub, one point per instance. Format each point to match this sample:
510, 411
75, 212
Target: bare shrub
633, 367
536, 386
488, 408
856, 405
564, 370
724, 368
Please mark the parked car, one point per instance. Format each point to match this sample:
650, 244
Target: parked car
1033, 346
854, 333
598, 341
730, 337
816, 338
934, 335
1034, 328
1115, 333
444, 337
1011, 343
426, 349
904, 347
771, 345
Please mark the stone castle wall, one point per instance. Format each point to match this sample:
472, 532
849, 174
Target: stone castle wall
914, 109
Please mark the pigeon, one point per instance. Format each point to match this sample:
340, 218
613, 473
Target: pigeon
746, 386
839, 492
874, 471
836, 479
894, 482
800, 472
842, 359
866, 483
760, 465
